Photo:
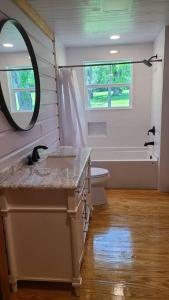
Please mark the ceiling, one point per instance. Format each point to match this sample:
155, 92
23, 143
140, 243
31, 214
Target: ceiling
10, 34
91, 22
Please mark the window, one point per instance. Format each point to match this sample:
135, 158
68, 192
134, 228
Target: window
22, 90
108, 86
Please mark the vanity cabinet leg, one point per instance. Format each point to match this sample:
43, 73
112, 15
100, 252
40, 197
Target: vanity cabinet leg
14, 286
76, 279
77, 291
76, 286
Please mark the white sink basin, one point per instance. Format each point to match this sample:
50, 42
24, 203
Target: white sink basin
58, 162
64, 151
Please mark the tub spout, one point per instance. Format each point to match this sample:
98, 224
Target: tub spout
152, 130
148, 144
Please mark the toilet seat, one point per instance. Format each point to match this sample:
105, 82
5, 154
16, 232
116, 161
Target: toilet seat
99, 177
99, 172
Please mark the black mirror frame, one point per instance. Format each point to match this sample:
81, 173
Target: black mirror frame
3, 105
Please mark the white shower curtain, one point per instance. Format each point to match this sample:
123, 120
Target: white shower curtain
72, 114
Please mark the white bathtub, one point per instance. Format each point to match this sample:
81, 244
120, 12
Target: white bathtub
129, 167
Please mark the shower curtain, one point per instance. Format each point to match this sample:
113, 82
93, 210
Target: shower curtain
72, 114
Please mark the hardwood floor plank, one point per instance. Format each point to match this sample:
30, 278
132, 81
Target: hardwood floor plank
127, 252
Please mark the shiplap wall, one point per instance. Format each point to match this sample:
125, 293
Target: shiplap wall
14, 144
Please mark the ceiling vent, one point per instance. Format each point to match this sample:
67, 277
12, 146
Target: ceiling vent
116, 5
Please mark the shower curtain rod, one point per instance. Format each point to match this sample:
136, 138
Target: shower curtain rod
15, 69
111, 64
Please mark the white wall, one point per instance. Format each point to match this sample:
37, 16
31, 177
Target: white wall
160, 107
157, 90
60, 51
164, 151
125, 127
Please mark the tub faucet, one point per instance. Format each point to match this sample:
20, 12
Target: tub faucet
148, 144
35, 154
152, 130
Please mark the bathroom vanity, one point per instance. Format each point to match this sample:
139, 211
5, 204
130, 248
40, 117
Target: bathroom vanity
46, 210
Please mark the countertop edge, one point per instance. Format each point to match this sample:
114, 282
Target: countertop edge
23, 186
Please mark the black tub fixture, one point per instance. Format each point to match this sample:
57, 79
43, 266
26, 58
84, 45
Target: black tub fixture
152, 130
148, 144
148, 62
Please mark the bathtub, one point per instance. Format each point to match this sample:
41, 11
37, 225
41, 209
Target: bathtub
129, 167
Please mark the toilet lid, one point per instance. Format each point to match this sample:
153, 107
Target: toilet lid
98, 172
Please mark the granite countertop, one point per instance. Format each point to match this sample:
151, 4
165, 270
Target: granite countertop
44, 175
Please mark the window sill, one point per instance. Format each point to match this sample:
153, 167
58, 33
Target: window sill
108, 109
21, 111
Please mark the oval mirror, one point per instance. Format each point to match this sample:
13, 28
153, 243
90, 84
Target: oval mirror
19, 76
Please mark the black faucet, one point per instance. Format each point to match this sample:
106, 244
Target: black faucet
152, 130
35, 154
148, 143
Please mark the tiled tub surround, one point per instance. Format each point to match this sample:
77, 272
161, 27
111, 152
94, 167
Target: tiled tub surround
46, 217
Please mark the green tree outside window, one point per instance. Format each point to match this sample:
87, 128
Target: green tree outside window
22, 90
108, 86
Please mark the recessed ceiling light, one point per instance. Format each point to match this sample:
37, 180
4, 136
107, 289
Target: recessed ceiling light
115, 37
113, 51
116, 5
8, 45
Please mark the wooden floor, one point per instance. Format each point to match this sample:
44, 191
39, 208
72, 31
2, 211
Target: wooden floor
127, 252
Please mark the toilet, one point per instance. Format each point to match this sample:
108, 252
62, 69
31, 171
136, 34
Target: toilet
99, 177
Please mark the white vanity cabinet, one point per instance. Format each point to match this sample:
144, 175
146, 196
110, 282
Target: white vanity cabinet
45, 231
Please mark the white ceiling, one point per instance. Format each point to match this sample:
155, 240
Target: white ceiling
10, 34
91, 22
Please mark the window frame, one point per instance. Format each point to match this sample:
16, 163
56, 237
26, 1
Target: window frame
14, 90
86, 86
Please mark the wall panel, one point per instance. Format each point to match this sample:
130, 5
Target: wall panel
14, 144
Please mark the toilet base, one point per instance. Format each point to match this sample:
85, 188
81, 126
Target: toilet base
98, 195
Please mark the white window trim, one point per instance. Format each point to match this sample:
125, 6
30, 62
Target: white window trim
86, 86
12, 90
